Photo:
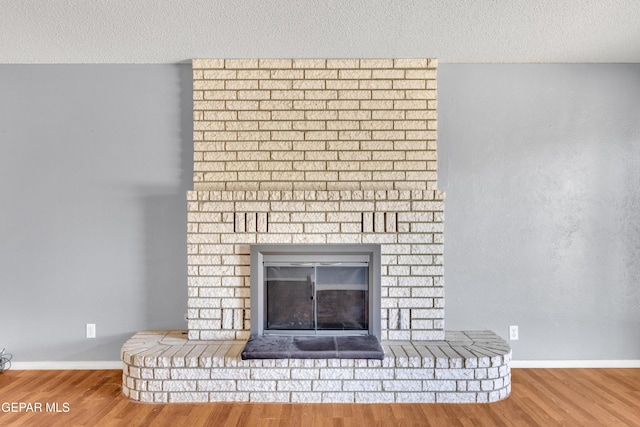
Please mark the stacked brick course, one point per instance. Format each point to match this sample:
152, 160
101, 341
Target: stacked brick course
408, 225
315, 151
350, 124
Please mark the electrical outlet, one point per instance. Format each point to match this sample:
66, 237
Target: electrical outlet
513, 332
91, 330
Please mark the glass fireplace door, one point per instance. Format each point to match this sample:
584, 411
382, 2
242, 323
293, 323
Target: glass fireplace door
316, 297
289, 298
342, 298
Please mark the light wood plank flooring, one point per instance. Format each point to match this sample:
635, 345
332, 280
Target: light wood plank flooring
540, 397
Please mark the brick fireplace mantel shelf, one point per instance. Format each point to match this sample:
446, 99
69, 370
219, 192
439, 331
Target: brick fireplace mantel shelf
467, 367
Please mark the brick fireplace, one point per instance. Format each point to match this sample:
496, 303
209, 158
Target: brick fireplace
313, 152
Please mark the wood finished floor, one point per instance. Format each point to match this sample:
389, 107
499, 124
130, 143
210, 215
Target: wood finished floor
540, 397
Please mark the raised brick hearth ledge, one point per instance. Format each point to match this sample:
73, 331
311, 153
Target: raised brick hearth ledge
468, 366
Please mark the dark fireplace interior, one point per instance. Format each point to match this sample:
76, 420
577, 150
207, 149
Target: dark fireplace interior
318, 297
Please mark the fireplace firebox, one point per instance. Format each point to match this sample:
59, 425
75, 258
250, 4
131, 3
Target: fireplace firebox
315, 290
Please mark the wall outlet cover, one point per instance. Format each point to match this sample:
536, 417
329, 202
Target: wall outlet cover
513, 332
90, 330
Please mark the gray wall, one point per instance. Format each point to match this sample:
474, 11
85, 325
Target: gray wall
95, 163
540, 164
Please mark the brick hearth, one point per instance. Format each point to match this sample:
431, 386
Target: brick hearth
468, 367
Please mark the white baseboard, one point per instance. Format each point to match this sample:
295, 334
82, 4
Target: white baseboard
575, 363
80, 365
530, 364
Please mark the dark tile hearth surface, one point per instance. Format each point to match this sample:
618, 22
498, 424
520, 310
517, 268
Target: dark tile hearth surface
313, 347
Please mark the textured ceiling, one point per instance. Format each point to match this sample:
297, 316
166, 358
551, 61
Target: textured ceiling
468, 31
